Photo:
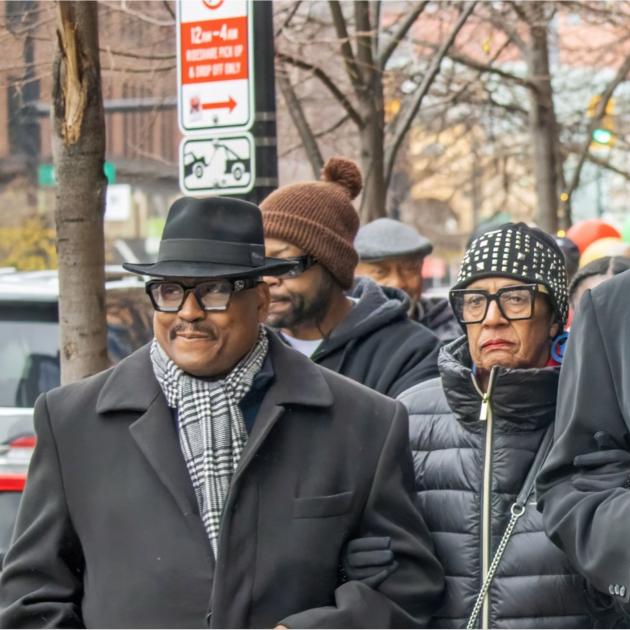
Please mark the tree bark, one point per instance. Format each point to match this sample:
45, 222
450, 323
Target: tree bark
79, 153
542, 121
372, 139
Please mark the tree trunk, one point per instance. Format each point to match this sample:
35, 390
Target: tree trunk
79, 153
542, 121
372, 138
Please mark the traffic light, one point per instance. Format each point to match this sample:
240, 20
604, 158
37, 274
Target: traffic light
604, 133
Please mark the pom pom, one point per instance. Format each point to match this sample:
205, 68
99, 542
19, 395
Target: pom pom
344, 172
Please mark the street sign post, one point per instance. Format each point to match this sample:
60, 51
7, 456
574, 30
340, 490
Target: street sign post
222, 165
215, 65
216, 101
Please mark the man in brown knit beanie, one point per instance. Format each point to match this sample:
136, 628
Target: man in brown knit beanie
362, 332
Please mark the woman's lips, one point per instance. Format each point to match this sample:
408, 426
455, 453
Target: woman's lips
496, 344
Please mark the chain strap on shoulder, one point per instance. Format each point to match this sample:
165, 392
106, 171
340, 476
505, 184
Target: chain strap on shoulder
516, 511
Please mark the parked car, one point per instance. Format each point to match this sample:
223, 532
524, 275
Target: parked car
29, 361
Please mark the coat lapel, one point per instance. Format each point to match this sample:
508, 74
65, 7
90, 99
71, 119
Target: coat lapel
133, 387
298, 381
156, 436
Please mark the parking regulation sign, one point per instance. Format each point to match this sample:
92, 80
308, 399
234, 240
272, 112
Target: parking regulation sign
221, 165
215, 65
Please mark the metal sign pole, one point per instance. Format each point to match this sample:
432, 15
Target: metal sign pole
264, 130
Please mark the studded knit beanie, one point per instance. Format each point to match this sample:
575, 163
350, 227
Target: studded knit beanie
524, 253
319, 218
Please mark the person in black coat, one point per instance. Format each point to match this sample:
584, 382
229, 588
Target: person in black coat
214, 477
479, 435
583, 487
363, 333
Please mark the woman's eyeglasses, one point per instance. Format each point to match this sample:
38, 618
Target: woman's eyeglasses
515, 302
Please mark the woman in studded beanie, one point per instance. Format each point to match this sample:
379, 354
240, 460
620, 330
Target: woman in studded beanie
480, 433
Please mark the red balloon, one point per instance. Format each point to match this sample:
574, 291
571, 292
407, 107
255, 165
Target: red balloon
586, 232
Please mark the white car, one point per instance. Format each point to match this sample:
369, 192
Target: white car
29, 361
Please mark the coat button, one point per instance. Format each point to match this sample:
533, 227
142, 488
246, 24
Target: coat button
611, 589
616, 589
208, 619
622, 591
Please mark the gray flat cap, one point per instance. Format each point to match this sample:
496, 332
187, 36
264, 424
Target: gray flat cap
388, 238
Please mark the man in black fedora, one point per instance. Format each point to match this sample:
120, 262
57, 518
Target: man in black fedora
214, 476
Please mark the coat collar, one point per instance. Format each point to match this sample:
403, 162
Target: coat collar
521, 399
132, 386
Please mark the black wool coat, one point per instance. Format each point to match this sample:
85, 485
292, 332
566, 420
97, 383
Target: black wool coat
590, 522
108, 533
535, 585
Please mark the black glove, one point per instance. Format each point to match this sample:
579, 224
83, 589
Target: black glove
369, 560
606, 468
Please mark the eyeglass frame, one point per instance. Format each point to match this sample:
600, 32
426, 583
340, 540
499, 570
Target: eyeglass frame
236, 286
301, 264
533, 288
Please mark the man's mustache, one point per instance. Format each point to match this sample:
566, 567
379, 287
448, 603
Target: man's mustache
193, 328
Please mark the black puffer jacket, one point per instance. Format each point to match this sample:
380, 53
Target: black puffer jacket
535, 586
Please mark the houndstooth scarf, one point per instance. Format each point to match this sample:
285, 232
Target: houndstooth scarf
212, 433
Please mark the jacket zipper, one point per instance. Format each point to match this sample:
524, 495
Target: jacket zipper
485, 415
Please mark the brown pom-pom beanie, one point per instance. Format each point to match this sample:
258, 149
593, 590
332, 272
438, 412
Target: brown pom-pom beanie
319, 218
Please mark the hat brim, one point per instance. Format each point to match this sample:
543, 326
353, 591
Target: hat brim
379, 255
184, 269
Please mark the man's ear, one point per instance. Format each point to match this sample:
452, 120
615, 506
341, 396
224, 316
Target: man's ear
555, 329
262, 300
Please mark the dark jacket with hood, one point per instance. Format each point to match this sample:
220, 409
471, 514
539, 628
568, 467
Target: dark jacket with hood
437, 315
587, 508
378, 345
457, 476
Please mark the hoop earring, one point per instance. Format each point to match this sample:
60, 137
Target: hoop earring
558, 346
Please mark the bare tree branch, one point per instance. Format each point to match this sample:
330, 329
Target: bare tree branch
132, 55
376, 5
169, 9
287, 21
124, 7
301, 124
319, 134
397, 37
364, 36
327, 81
339, 21
422, 91
605, 97
502, 23
482, 67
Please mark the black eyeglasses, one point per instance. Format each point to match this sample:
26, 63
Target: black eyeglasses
515, 302
213, 295
300, 265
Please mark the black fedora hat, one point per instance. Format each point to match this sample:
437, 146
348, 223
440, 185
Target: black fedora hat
217, 237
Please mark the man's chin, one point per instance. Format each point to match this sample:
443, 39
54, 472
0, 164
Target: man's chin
280, 315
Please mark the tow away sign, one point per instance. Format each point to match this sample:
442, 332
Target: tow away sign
215, 65
223, 165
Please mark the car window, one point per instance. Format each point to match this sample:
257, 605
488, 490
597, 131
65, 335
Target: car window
29, 338
29, 361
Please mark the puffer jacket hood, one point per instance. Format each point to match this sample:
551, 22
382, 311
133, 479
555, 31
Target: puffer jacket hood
535, 585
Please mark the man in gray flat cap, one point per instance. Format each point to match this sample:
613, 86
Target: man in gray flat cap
392, 254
